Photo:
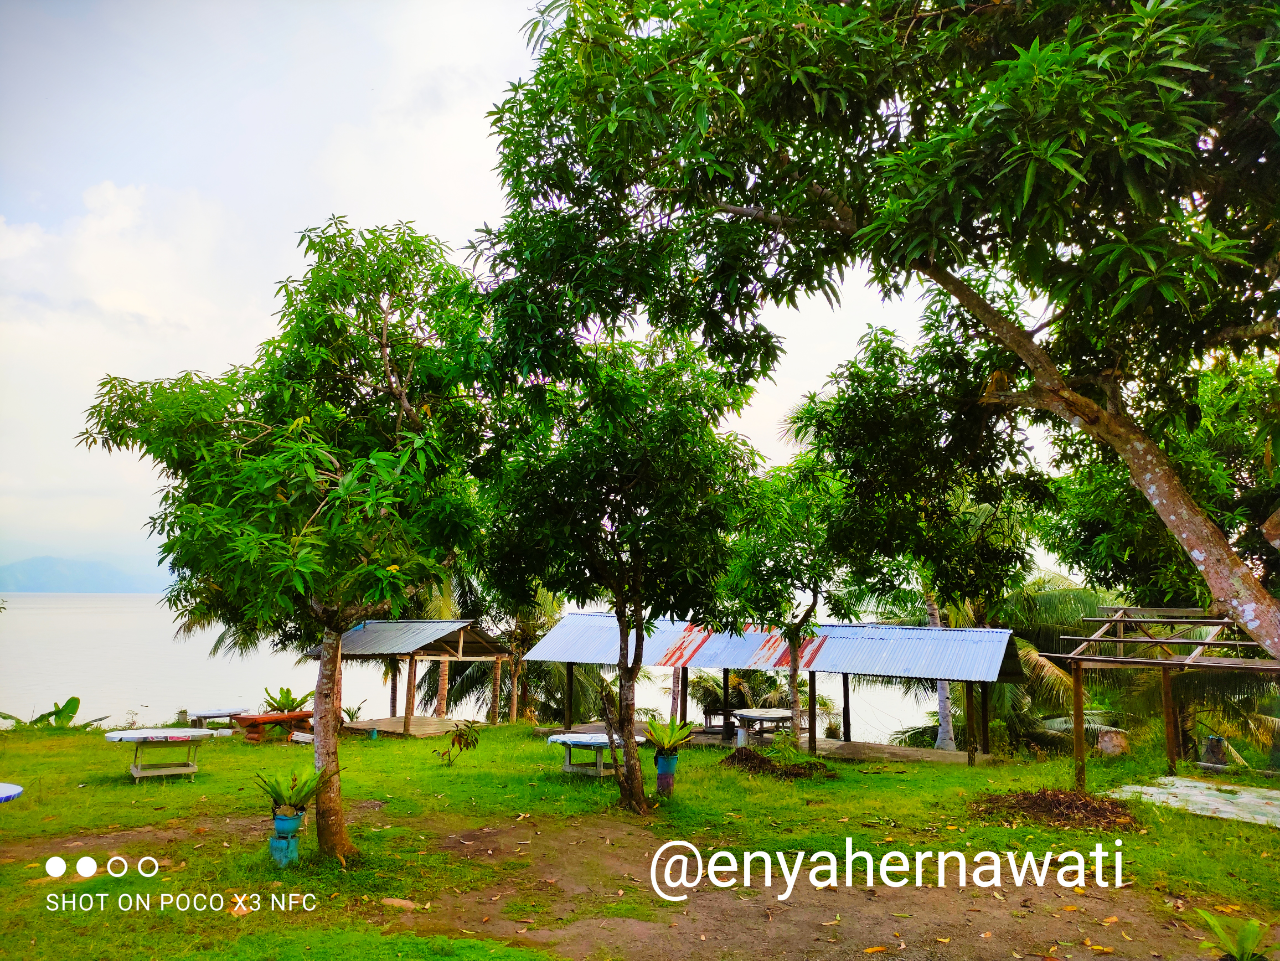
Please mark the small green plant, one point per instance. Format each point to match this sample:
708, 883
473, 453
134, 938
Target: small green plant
61, 716
998, 733
833, 731
283, 701
1239, 938
669, 736
353, 713
290, 796
785, 750
466, 737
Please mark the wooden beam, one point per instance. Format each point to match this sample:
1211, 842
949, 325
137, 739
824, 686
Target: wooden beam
1170, 621
970, 735
985, 688
1077, 720
568, 696
813, 713
846, 727
410, 692
1256, 665
1170, 721
395, 693
1137, 612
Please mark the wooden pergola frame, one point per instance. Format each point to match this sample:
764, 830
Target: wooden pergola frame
1136, 650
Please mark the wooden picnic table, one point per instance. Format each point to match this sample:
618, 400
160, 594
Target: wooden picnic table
775, 717
161, 737
255, 724
586, 742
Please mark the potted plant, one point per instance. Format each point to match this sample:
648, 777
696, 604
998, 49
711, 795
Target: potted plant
288, 805
667, 738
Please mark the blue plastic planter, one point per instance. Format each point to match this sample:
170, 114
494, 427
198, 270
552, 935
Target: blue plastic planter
284, 851
287, 826
666, 773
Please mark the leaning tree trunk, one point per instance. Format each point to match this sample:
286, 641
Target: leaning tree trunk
631, 781
1237, 592
946, 740
331, 826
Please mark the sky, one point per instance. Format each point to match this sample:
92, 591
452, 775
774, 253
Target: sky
157, 161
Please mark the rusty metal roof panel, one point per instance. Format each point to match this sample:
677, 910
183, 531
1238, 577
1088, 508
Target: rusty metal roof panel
958, 654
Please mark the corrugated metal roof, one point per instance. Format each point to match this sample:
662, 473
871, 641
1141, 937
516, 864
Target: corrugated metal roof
881, 650
430, 638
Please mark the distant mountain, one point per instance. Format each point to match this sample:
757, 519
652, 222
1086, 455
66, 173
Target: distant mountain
58, 575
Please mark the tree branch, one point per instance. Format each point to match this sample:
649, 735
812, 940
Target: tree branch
1263, 328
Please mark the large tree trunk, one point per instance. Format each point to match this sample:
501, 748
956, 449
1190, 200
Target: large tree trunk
1237, 593
331, 827
946, 739
631, 780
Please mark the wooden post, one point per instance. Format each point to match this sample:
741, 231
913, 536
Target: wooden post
442, 689
726, 733
497, 687
515, 701
1077, 720
813, 713
568, 696
1170, 720
395, 683
684, 695
970, 735
985, 688
410, 692
847, 729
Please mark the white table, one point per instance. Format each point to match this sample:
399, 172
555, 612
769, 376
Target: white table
161, 737
586, 742
775, 717
199, 718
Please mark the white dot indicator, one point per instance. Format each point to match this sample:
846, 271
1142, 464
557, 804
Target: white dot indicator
55, 867
86, 867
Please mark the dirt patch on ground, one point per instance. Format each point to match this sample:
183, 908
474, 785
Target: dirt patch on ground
753, 762
584, 893
1060, 809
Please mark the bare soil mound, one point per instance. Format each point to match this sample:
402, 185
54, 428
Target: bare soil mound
753, 762
1058, 809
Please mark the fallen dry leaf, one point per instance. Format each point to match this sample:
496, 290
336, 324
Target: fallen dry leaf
985, 934
943, 940
876, 950
1111, 920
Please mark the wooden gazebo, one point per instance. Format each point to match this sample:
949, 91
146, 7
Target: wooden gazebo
1135, 637
412, 641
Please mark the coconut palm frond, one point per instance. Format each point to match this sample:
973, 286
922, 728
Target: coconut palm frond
1047, 682
1095, 723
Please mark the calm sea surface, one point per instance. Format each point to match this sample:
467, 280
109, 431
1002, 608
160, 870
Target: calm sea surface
117, 653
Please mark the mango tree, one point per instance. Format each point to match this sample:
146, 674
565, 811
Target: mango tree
627, 498
1091, 186
325, 483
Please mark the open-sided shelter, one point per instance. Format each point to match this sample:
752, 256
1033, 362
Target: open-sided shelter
416, 640
972, 655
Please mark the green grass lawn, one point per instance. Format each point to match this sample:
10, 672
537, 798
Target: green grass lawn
212, 836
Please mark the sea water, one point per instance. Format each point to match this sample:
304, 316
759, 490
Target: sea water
118, 653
